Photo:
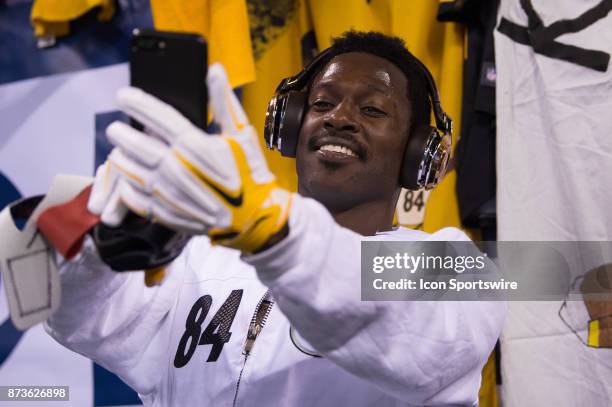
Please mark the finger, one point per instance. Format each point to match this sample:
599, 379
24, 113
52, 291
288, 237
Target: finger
178, 200
160, 117
101, 190
227, 110
130, 170
143, 148
115, 210
137, 201
254, 156
175, 220
176, 172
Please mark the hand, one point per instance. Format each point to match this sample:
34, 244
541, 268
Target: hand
190, 180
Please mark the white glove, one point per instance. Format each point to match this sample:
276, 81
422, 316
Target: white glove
187, 179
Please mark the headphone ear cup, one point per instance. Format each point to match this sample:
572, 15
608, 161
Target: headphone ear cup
413, 157
425, 158
290, 122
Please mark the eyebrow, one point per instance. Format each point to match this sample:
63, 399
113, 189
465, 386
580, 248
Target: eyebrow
329, 84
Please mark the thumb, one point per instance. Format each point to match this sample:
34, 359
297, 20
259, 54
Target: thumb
227, 110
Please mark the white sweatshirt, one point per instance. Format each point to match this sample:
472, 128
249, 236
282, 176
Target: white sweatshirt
183, 343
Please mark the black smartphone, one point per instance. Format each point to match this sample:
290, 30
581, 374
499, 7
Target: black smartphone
172, 66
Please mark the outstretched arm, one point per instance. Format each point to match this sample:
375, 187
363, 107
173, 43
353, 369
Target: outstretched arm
421, 352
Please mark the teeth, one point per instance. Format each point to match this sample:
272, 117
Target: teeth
338, 149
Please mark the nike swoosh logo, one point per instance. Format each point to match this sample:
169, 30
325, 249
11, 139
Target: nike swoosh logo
234, 201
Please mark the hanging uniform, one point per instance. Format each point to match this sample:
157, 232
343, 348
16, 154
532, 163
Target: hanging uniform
224, 25
52, 19
283, 43
475, 152
440, 47
554, 97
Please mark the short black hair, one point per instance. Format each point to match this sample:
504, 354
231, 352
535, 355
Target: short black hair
394, 50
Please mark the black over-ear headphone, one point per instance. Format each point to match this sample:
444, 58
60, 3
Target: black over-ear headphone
426, 155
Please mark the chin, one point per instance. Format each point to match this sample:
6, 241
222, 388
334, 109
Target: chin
334, 195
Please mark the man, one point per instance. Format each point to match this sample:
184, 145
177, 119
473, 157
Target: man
271, 313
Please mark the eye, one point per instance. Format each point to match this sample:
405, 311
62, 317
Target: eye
321, 105
373, 111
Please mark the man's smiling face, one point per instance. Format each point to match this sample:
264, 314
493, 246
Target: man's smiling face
354, 132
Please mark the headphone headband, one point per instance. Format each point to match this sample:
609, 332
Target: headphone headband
298, 82
443, 121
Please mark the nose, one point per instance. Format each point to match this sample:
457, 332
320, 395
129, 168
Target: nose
341, 118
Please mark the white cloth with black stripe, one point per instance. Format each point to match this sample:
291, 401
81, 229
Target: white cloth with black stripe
554, 172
